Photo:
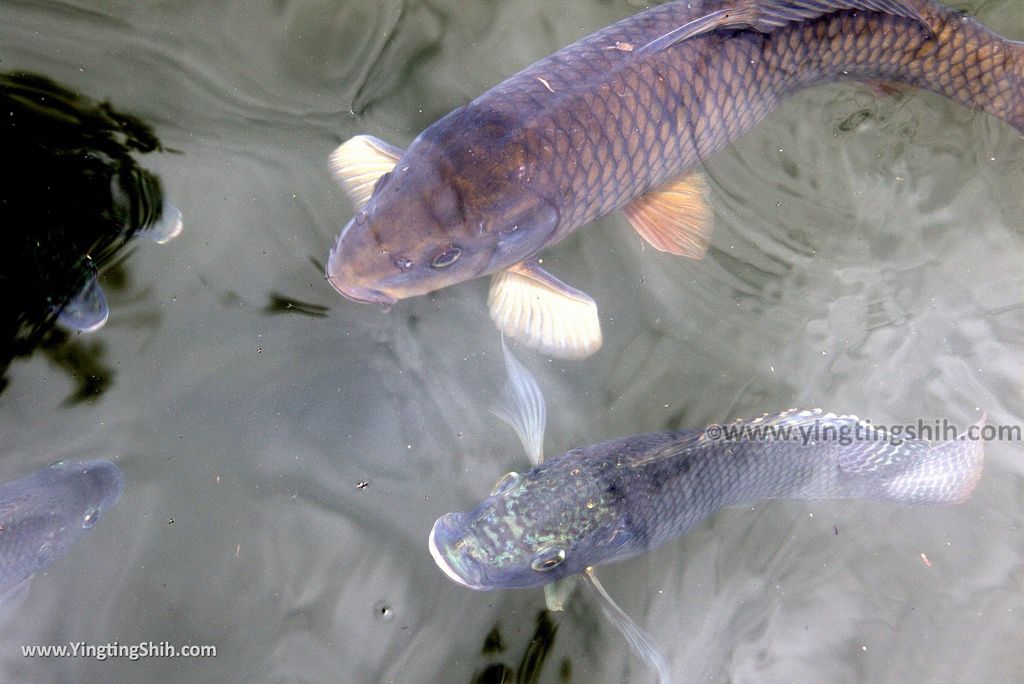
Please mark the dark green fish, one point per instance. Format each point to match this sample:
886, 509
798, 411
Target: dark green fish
621, 119
44, 514
619, 499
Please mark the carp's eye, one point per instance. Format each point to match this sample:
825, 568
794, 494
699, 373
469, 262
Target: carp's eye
504, 483
446, 257
548, 559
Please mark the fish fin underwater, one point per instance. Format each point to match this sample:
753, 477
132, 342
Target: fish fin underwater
639, 641
533, 307
872, 462
521, 405
765, 16
676, 217
358, 163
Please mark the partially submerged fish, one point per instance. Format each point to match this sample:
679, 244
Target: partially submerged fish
621, 119
44, 514
621, 498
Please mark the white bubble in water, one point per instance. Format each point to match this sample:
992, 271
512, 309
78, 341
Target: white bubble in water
384, 611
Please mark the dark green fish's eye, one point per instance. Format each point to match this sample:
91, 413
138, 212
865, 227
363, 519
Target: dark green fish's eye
504, 483
447, 257
548, 558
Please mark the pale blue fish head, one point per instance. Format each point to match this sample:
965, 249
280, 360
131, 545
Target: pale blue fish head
551, 522
47, 512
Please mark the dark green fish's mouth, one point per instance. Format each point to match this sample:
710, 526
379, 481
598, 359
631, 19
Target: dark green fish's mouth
443, 538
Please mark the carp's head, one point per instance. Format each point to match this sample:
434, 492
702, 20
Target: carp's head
532, 530
456, 205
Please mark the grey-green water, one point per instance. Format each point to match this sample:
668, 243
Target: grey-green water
866, 259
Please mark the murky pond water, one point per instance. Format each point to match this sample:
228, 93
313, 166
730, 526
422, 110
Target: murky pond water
286, 451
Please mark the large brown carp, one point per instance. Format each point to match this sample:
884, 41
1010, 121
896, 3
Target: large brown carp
621, 119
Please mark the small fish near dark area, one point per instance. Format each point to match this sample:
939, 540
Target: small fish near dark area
73, 198
621, 120
44, 514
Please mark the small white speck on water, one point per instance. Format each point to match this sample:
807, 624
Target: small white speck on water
771, 368
384, 611
864, 648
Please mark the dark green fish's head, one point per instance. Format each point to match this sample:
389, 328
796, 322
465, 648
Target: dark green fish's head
44, 514
454, 207
555, 520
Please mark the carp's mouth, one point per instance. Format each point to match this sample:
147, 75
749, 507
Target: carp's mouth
364, 295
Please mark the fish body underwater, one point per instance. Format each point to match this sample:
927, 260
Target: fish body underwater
622, 498
43, 514
621, 119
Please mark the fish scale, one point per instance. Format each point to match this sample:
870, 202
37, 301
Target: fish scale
618, 124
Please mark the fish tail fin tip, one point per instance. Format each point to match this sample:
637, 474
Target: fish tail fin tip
946, 474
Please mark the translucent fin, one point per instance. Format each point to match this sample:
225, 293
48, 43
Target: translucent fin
14, 595
521, 405
767, 15
533, 307
557, 594
87, 311
639, 641
946, 473
358, 164
166, 228
675, 217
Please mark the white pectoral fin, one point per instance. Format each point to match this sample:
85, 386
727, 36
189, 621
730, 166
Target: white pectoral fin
521, 405
533, 307
675, 217
639, 641
358, 164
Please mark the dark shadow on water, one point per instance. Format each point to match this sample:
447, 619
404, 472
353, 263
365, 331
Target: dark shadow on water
280, 304
531, 664
72, 197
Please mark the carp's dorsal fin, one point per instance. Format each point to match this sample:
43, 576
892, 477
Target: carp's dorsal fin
521, 405
538, 310
358, 163
767, 15
675, 217
642, 645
